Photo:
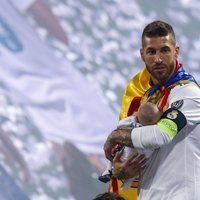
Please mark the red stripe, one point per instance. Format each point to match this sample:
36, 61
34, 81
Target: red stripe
134, 105
115, 185
165, 97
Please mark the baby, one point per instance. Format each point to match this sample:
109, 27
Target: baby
147, 114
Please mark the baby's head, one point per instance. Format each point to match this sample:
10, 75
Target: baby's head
148, 114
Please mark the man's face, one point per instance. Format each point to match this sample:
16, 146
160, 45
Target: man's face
160, 54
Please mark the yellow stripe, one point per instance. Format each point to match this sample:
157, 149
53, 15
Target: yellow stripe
138, 85
130, 194
168, 126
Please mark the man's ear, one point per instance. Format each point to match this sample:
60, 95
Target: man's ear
177, 50
142, 54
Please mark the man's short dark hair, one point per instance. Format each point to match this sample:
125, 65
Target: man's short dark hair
158, 29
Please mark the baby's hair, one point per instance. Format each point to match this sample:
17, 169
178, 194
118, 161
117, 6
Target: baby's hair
148, 113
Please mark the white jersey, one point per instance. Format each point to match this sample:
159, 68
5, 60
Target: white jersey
173, 172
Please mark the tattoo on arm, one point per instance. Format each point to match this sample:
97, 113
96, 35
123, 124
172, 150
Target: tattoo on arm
123, 137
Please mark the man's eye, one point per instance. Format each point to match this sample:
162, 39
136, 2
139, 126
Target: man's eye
165, 50
150, 52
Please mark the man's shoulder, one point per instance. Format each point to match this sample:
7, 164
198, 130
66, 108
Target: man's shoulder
189, 87
182, 91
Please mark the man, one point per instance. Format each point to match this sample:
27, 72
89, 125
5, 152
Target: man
173, 171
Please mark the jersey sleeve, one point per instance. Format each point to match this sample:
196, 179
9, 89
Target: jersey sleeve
183, 110
186, 98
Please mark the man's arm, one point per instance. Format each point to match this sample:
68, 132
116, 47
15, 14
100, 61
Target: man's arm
183, 112
170, 124
118, 136
154, 136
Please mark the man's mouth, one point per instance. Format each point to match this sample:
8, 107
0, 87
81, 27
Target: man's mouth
159, 68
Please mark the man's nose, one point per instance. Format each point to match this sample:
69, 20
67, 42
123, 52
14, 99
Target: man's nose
158, 59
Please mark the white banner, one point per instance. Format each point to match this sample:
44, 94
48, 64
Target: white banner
60, 101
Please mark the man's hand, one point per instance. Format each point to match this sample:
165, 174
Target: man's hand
118, 136
129, 168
